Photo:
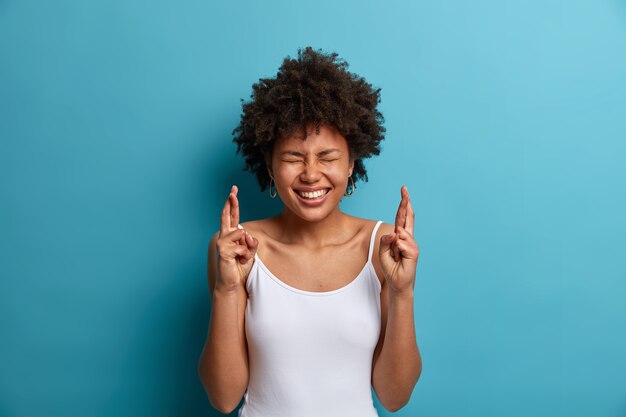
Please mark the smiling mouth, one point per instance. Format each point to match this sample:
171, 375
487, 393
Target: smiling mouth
312, 196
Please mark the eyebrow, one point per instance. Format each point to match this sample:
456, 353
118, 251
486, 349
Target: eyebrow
321, 153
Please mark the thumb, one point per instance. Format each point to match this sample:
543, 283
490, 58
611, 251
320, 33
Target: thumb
386, 245
252, 244
385, 240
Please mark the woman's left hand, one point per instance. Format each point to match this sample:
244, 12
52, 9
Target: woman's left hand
398, 251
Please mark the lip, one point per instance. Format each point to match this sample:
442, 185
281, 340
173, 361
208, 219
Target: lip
311, 189
312, 203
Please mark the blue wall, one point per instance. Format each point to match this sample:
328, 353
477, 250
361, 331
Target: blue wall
505, 119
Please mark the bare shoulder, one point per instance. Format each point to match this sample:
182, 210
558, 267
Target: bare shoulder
383, 229
257, 227
366, 227
252, 226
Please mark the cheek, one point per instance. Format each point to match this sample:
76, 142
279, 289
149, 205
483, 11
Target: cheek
338, 175
287, 173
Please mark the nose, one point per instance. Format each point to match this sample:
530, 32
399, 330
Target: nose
310, 173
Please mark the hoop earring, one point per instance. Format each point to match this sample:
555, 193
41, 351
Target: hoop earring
348, 194
275, 193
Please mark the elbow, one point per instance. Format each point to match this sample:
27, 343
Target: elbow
220, 406
392, 408
223, 407
393, 403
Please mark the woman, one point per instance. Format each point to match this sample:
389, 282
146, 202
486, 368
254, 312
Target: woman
313, 307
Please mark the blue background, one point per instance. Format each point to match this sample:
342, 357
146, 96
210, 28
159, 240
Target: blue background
505, 119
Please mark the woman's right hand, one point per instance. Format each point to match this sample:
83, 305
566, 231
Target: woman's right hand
236, 247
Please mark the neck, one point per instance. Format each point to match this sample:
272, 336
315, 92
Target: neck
312, 234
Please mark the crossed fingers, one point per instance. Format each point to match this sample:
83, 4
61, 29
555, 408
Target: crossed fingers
405, 216
230, 214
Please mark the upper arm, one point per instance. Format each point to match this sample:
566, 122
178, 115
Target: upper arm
242, 293
383, 229
212, 262
384, 296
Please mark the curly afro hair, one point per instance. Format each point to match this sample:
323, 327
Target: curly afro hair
314, 88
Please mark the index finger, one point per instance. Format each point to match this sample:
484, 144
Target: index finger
234, 209
225, 218
410, 217
402, 209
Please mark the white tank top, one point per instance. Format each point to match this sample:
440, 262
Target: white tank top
310, 353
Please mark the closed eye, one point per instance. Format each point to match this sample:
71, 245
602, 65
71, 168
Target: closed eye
323, 160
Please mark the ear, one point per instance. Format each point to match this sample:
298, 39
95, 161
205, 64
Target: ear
351, 167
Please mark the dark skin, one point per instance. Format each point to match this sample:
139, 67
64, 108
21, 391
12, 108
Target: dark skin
292, 243
396, 363
303, 231
398, 251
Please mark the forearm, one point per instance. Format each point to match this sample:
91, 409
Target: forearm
223, 365
399, 364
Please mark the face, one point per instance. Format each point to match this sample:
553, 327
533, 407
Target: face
320, 165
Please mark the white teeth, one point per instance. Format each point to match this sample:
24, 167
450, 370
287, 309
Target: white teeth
312, 195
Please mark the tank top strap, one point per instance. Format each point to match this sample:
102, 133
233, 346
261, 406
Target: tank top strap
371, 248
